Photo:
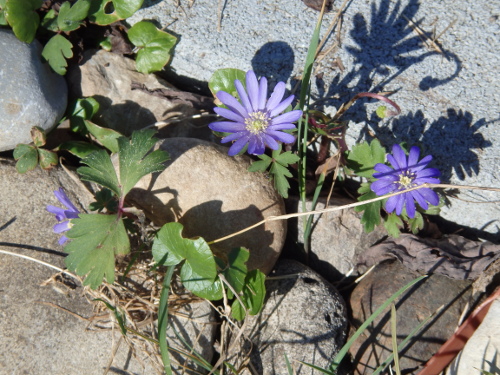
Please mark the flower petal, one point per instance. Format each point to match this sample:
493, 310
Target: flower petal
281, 136
282, 106
234, 105
227, 126
233, 137
291, 116
382, 187
421, 164
230, 115
238, 146
413, 156
62, 240
281, 126
410, 205
428, 172
261, 105
399, 157
63, 198
253, 89
243, 95
400, 203
270, 142
430, 196
391, 203
62, 227
420, 199
276, 96
59, 212
383, 168
256, 146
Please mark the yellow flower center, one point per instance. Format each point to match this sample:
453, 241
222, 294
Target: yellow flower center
406, 180
257, 122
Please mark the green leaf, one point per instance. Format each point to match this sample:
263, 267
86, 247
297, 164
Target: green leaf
95, 240
417, 223
280, 174
236, 270
79, 111
105, 12
26, 156
363, 157
104, 199
253, 296
101, 171
155, 46
199, 271
49, 22
107, 137
286, 158
38, 136
381, 111
48, 159
371, 215
135, 162
199, 284
71, 17
22, 17
79, 148
223, 80
56, 51
3, 21
260, 165
392, 224
168, 239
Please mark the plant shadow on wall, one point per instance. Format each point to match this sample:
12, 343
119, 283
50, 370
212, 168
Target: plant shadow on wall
274, 60
386, 48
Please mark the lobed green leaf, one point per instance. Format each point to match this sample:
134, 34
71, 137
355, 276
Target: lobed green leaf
95, 240
155, 46
105, 12
100, 170
56, 51
22, 17
363, 157
70, 17
393, 224
26, 156
253, 295
47, 159
135, 161
107, 137
371, 215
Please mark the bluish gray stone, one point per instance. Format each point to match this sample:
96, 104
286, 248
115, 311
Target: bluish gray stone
31, 94
449, 100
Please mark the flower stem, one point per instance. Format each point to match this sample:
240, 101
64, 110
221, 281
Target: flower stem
163, 320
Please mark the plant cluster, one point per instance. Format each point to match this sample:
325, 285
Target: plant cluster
275, 130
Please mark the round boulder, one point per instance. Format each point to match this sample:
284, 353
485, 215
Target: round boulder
213, 195
31, 94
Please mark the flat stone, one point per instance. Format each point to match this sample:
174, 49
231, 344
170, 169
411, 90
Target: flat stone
129, 100
449, 99
213, 195
444, 297
303, 317
39, 325
31, 94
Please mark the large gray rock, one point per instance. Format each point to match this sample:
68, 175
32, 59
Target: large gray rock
213, 195
31, 94
449, 100
303, 317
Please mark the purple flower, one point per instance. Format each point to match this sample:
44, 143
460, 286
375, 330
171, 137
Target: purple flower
406, 172
255, 121
63, 215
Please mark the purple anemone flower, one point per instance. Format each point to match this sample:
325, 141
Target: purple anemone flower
63, 215
406, 173
255, 121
